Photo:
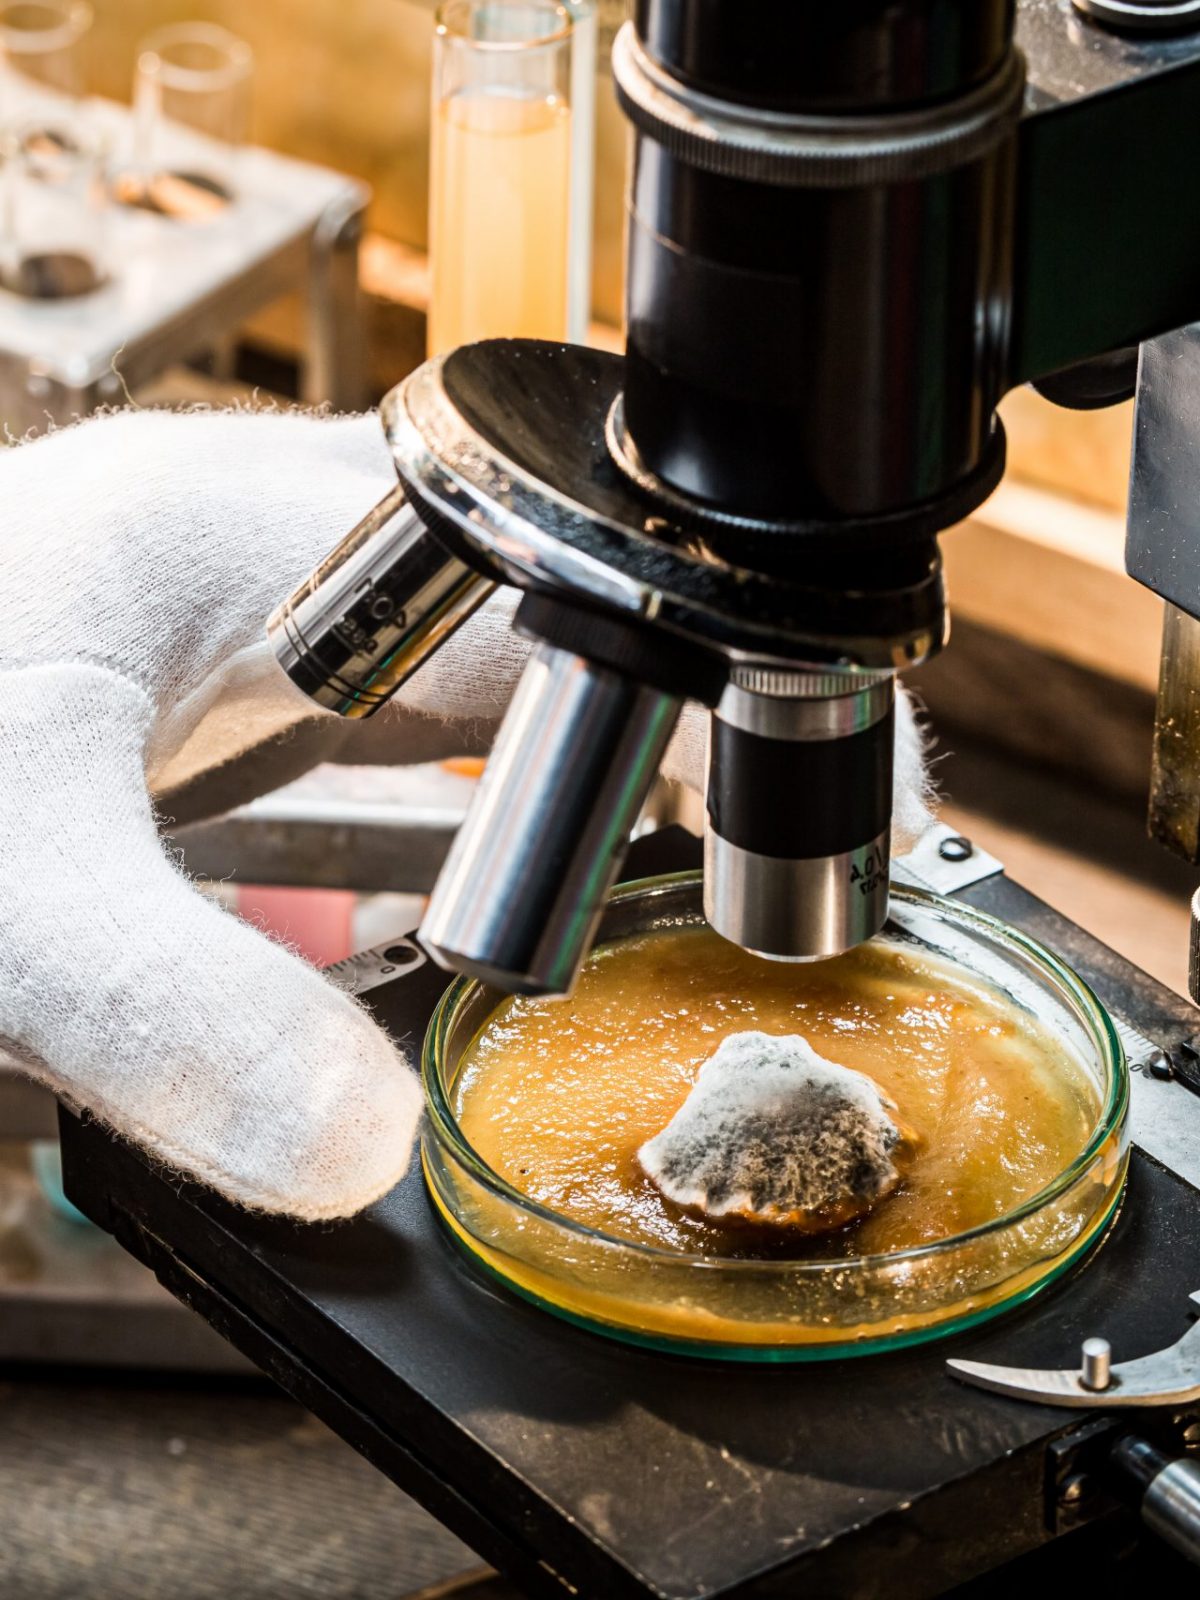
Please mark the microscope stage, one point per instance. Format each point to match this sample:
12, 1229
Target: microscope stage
577, 1464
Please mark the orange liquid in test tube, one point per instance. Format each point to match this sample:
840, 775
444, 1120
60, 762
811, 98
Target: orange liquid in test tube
498, 219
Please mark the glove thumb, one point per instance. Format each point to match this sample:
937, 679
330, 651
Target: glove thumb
129, 993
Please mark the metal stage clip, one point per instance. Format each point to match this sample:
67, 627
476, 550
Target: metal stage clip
1170, 1377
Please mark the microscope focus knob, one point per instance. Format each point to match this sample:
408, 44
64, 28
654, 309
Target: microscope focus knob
1165, 1492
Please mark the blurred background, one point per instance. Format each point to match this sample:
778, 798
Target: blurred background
346, 88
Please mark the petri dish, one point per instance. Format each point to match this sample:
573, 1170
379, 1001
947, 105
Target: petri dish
756, 1309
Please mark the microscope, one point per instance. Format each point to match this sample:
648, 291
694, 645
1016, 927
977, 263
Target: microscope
851, 229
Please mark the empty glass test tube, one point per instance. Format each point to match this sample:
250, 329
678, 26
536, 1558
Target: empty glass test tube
41, 65
191, 102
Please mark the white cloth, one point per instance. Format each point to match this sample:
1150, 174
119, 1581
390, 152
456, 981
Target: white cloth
139, 556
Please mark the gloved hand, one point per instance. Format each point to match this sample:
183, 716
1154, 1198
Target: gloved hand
140, 555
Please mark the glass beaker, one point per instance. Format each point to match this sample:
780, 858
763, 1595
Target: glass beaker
500, 180
51, 229
191, 103
41, 64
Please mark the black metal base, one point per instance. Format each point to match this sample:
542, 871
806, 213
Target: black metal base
570, 1460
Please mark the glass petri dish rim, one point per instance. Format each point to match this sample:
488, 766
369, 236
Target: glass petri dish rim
451, 30
1111, 1117
781, 1353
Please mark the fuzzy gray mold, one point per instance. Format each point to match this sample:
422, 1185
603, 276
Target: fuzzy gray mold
773, 1133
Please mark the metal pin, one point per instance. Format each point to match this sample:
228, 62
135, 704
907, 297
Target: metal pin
1095, 1373
956, 848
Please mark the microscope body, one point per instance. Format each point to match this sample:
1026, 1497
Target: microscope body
852, 229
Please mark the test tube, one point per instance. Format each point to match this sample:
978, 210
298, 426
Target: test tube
501, 172
585, 46
191, 112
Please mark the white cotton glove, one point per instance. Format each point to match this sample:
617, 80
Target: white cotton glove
139, 557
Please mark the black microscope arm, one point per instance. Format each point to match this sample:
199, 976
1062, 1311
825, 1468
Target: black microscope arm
1107, 237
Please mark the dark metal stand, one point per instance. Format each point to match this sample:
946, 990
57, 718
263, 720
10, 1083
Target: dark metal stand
576, 1464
